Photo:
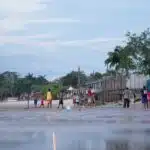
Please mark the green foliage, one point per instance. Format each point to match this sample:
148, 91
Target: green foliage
95, 76
36, 88
71, 79
133, 57
13, 85
120, 60
55, 88
139, 45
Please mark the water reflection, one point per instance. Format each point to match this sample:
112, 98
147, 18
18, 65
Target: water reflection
85, 145
117, 145
75, 141
147, 147
22, 140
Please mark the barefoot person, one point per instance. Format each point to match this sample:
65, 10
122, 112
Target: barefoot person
77, 100
35, 101
144, 97
74, 99
42, 102
93, 98
61, 100
127, 96
148, 91
49, 99
89, 96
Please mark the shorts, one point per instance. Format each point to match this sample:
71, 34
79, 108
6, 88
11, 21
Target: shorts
35, 102
89, 100
77, 103
49, 102
144, 100
61, 102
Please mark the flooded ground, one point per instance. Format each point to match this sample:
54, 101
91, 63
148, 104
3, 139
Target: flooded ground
95, 129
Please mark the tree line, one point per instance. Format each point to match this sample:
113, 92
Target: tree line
13, 85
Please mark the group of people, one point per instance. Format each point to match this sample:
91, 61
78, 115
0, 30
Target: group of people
42, 103
78, 99
145, 97
87, 99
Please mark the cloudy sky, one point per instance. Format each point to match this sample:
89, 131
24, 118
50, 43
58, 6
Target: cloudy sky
53, 37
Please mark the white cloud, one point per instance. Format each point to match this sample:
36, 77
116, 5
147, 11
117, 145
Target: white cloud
90, 41
21, 6
55, 20
31, 40
19, 13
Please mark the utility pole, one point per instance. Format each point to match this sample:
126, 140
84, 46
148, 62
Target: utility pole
79, 77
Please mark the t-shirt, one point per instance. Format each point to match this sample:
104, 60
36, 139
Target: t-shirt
42, 101
127, 94
61, 96
49, 96
144, 93
77, 98
89, 93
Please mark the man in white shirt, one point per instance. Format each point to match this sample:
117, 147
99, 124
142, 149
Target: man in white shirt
127, 96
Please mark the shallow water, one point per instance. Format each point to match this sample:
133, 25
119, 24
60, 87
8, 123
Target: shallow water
99, 129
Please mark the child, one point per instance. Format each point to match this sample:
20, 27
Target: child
77, 99
35, 101
61, 100
74, 99
49, 98
42, 102
89, 96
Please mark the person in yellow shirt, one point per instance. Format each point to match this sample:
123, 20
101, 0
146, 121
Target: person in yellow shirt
49, 98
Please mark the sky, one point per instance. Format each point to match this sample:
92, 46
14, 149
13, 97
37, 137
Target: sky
54, 37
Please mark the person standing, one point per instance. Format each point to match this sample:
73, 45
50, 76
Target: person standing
74, 99
93, 98
42, 102
35, 101
61, 97
77, 100
89, 96
144, 97
148, 91
49, 99
127, 96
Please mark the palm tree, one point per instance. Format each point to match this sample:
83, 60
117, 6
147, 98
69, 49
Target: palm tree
113, 59
120, 60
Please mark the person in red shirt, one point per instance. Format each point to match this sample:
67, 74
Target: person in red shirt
90, 92
89, 96
42, 102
